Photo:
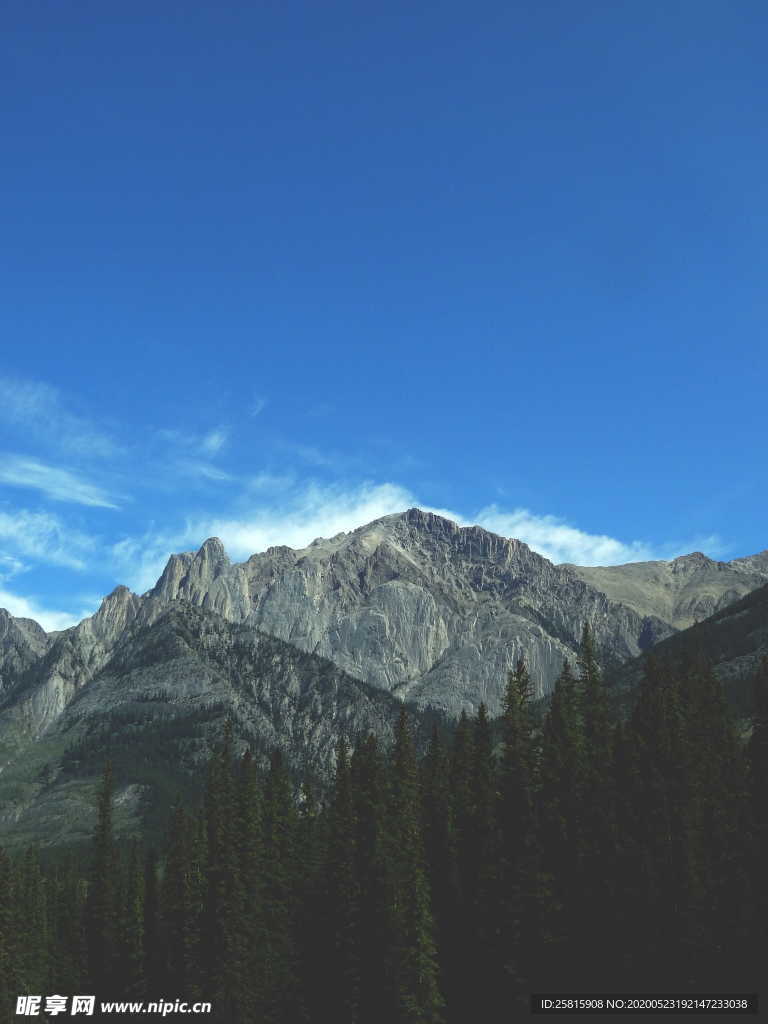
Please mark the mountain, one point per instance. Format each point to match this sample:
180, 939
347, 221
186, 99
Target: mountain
417, 605
410, 603
156, 707
22, 643
734, 641
682, 591
298, 645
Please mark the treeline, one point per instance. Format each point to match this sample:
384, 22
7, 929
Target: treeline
579, 855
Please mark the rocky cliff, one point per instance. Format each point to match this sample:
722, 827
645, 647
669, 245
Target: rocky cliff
156, 708
411, 603
682, 591
298, 644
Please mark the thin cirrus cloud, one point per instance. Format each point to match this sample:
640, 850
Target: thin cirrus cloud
196, 467
42, 537
297, 516
28, 608
52, 481
213, 442
40, 410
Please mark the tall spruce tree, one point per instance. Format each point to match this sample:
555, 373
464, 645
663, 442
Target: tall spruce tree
153, 952
757, 761
415, 967
284, 998
372, 873
250, 848
518, 893
595, 889
342, 992
561, 824
130, 916
668, 875
101, 909
225, 915
440, 857
9, 958
180, 938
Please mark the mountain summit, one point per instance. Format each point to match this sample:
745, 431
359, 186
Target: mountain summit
415, 604
299, 646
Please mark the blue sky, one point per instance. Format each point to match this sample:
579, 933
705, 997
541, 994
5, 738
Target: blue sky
272, 270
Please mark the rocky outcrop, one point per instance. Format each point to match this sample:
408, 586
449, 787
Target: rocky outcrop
682, 591
411, 603
157, 709
22, 643
417, 605
297, 646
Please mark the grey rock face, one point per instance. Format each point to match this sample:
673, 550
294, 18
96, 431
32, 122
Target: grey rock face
419, 606
682, 591
411, 603
158, 706
733, 641
299, 645
22, 643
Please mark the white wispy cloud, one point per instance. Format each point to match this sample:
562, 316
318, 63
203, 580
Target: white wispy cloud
214, 441
50, 619
295, 519
10, 566
41, 410
557, 540
297, 515
258, 405
43, 537
53, 481
196, 467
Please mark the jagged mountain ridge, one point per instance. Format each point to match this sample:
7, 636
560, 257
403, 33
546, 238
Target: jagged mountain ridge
733, 641
156, 708
409, 606
682, 591
416, 604
411, 603
22, 643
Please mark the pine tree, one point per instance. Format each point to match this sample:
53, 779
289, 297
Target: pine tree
518, 886
224, 924
372, 874
668, 875
719, 814
250, 842
462, 798
101, 910
153, 957
68, 954
440, 858
561, 823
342, 900
284, 1003
180, 935
415, 974
9, 957
130, 939
595, 890
757, 760
481, 877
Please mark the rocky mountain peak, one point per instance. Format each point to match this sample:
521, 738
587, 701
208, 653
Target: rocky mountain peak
693, 562
117, 610
212, 550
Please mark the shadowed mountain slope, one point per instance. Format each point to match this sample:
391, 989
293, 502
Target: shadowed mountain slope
156, 708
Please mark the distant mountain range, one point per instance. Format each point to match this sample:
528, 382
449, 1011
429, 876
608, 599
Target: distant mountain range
299, 645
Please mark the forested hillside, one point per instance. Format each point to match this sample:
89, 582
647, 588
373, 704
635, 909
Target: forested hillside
575, 855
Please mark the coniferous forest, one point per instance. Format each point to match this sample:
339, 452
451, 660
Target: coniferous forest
565, 852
